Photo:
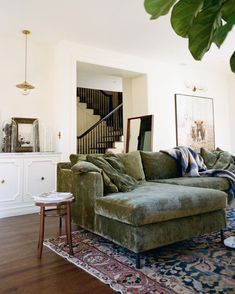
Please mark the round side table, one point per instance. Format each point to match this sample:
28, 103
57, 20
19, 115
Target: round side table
60, 209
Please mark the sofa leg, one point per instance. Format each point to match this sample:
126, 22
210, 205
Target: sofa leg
137, 260
222, 236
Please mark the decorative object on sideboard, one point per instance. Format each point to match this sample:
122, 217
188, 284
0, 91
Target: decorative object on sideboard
25, 86
26, 134
7, 136
194, 121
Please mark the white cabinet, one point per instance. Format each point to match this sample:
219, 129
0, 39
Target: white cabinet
23, 175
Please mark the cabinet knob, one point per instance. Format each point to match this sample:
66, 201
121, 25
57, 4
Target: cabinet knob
2, 181
42, 178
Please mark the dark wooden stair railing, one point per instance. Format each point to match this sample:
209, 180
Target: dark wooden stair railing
102, 134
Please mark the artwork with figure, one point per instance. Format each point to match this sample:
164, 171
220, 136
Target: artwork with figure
194, 122
25, 135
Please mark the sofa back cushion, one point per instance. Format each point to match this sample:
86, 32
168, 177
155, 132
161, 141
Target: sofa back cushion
75, 158
133, 164
159, 165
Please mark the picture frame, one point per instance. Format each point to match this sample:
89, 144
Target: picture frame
25, 132
194, 117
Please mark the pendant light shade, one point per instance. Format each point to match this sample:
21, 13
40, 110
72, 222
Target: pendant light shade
25, 86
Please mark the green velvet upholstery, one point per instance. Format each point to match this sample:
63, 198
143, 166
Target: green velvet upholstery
87, 187
74, 158
133, 164
123, 181
85, 167
152, 214
156, 202
64, 177
143, 238
159, 165
221, 184
218, 159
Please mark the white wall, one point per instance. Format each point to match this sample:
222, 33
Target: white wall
53, 71
38, 104
231, 85
163, 81
99, 81
168, 80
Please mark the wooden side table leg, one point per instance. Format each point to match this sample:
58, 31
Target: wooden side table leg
41, 231
68, 227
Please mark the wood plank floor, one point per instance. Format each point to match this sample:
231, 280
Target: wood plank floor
22, 272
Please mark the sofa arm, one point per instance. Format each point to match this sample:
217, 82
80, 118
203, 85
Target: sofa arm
86, 187
64, 177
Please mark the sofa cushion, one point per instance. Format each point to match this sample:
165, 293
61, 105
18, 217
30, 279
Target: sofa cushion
85, 167
218, 159
123, 181
217, 183
159, 165
74, 158
157, 202
133, 164
109, 186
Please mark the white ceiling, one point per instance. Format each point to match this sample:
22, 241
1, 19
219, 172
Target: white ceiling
119, 25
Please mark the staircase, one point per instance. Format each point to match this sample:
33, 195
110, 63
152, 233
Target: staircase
107, 133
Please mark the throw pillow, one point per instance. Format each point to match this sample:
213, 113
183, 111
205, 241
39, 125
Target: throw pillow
74, 158
123, 181
209, 157
85, 167
133, 164
109, 186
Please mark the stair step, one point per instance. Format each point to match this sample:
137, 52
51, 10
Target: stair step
118, 145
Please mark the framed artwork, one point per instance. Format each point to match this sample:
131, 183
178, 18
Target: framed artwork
25, 134
194, 122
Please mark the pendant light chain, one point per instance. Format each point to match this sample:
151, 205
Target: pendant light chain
25, 86
25, 58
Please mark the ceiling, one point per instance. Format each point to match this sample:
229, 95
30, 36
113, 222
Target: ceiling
118, 25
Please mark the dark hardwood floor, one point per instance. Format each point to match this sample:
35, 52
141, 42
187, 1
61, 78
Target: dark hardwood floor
22, 272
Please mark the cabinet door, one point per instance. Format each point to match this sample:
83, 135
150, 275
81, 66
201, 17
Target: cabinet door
11, 171
39, 177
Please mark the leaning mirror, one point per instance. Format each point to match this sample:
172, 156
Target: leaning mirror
139, 133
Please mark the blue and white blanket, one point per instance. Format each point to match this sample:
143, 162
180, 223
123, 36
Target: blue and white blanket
190, 161
192, 165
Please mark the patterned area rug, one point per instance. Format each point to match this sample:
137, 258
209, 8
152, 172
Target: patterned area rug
199, 265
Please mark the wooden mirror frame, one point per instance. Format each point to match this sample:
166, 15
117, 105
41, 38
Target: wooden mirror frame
129, 130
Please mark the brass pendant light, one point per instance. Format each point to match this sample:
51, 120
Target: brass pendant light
25, 86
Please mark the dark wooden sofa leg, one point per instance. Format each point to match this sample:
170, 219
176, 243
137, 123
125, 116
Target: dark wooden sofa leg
222, 236
137, 261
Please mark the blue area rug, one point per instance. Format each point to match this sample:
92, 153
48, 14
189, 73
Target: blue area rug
200, 265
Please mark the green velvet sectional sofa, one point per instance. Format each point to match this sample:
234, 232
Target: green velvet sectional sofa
163, 208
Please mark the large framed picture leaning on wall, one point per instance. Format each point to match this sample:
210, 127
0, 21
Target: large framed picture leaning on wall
194, 122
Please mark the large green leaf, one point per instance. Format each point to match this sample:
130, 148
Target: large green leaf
228, 9
201, 33
158, 7
232, 62
223, 31
183, 14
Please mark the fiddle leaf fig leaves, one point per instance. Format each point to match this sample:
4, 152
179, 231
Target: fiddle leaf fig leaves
202, 31
228, 9
158, 7
232, 62
223, 31
183, 14
201, 21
